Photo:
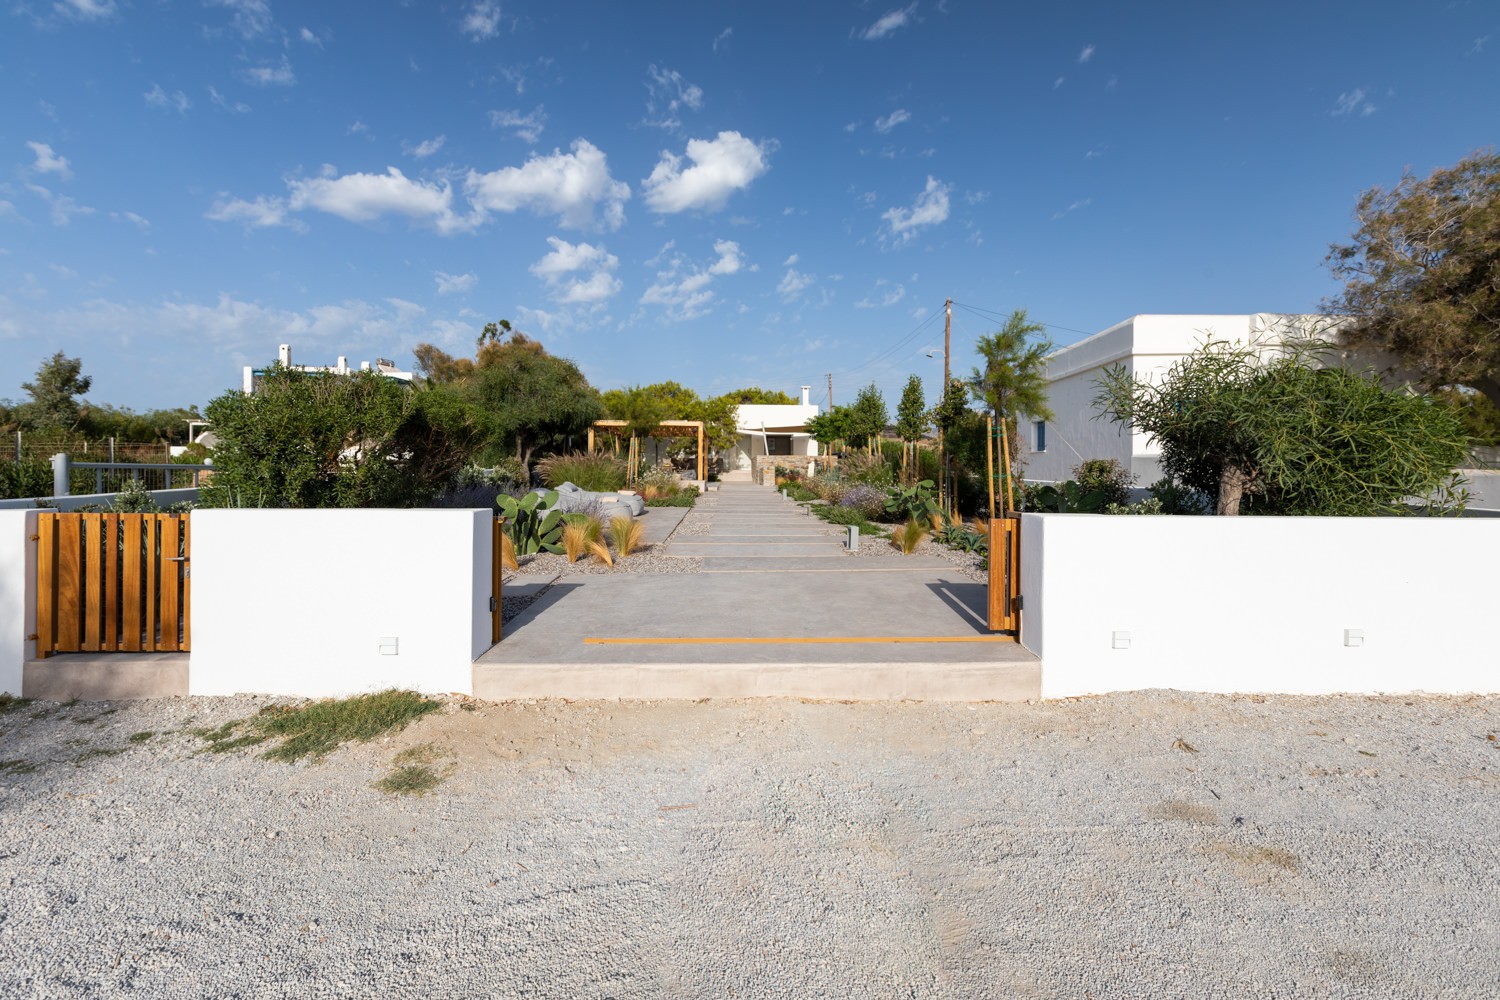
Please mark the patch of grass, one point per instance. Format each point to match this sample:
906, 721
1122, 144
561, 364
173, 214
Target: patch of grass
84, 720
628, 534
320, 728
17, 766
141, 737
43, 713
94, 753
909, 536
413, 773
10, 703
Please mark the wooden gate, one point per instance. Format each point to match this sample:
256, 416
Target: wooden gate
1005, 574
112, 583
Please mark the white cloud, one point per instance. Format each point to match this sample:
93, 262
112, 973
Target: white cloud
572, 185
930, 209
1086, 54
481, 21
261, 213
888, 298
48, 162
139, 221
425, 148
307, 35
722, 39
280, 75
447, 284
683, 288
791, 260
361, 197
1353, 102
794, 283
1059, 82
85, 10
62, 207
888, 23
721, 166
578, 274
251, 18
1080, 203
525, 127
358, 128
668, 92
219, 100
891, 120
175, 101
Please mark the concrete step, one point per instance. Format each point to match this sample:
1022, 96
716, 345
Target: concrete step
836, 561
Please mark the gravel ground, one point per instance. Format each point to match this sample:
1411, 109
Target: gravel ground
1152, 844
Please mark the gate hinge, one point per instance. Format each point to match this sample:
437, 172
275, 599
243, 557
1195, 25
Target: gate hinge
492, 604
1020, 599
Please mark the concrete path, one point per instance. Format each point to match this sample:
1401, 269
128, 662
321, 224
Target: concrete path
781, 609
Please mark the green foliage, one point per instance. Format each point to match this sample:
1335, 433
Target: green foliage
1012, 382
52, 406
838, 514
911, 412
866, 470
754, 395
1105, 476
1421, 274
868, 416
412, 771
533, 522
826, 428
1480, 417
531, 399
1285, 437
1176, 499
597, 473
906, 502
1150, 505
134, 498
868, 500
309, 439
30, 477
953, 407
687, 496
1066, 497
799, 491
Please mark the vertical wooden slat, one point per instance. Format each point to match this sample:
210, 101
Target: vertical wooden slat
69, 584
130, 584
1005, 574
111, 581
496, 547
187, 581
1013, 592
92, 566
46, 585
170, 575
151, 527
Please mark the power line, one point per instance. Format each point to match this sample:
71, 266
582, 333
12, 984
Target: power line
1002, 317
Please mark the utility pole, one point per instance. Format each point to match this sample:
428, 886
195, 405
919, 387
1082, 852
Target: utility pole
830, 392
944, 493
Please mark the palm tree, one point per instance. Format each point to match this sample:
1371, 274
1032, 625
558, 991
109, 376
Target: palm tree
1013, 381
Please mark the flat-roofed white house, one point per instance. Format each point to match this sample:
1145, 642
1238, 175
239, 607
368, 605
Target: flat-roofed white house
771, 431
1147, 345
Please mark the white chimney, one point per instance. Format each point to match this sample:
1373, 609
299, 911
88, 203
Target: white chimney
343, 365
806, 392
286, 355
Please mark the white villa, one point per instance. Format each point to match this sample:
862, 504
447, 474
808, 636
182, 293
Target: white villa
341, 367
771, 431
1147, 346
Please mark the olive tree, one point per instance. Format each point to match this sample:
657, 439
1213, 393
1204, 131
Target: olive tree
1288, 436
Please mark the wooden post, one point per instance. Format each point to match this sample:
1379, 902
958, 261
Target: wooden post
591, 439
1010, 493
702, 457
989, 459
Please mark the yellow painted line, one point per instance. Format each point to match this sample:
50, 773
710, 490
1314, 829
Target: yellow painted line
724, 640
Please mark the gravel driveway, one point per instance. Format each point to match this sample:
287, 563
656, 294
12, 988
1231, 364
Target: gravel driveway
1150, 844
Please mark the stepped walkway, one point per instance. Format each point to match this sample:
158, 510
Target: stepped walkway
779, 609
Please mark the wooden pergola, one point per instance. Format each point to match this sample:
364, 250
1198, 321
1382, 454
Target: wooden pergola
619, 425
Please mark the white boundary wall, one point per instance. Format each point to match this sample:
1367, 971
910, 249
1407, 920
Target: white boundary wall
298, 602
17, 595
1261, 604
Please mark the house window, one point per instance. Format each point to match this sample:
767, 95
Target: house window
778, 444
1040, 428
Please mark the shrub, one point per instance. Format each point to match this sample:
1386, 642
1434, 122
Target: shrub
1177, 499
578, 531
628, 533
658, 483
1105, 476
909, 536
533, 523
868, 469
868, 500
687, 496
1150, 505
800, 492
830, 489
903, 503
597, 473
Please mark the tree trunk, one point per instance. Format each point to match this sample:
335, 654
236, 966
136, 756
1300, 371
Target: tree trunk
1232, 483
1490, 389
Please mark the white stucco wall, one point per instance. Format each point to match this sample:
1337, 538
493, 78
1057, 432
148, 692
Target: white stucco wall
17, 596
297, 602
1260, 604
773, 418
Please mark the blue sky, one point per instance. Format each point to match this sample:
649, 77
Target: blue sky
716, 193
